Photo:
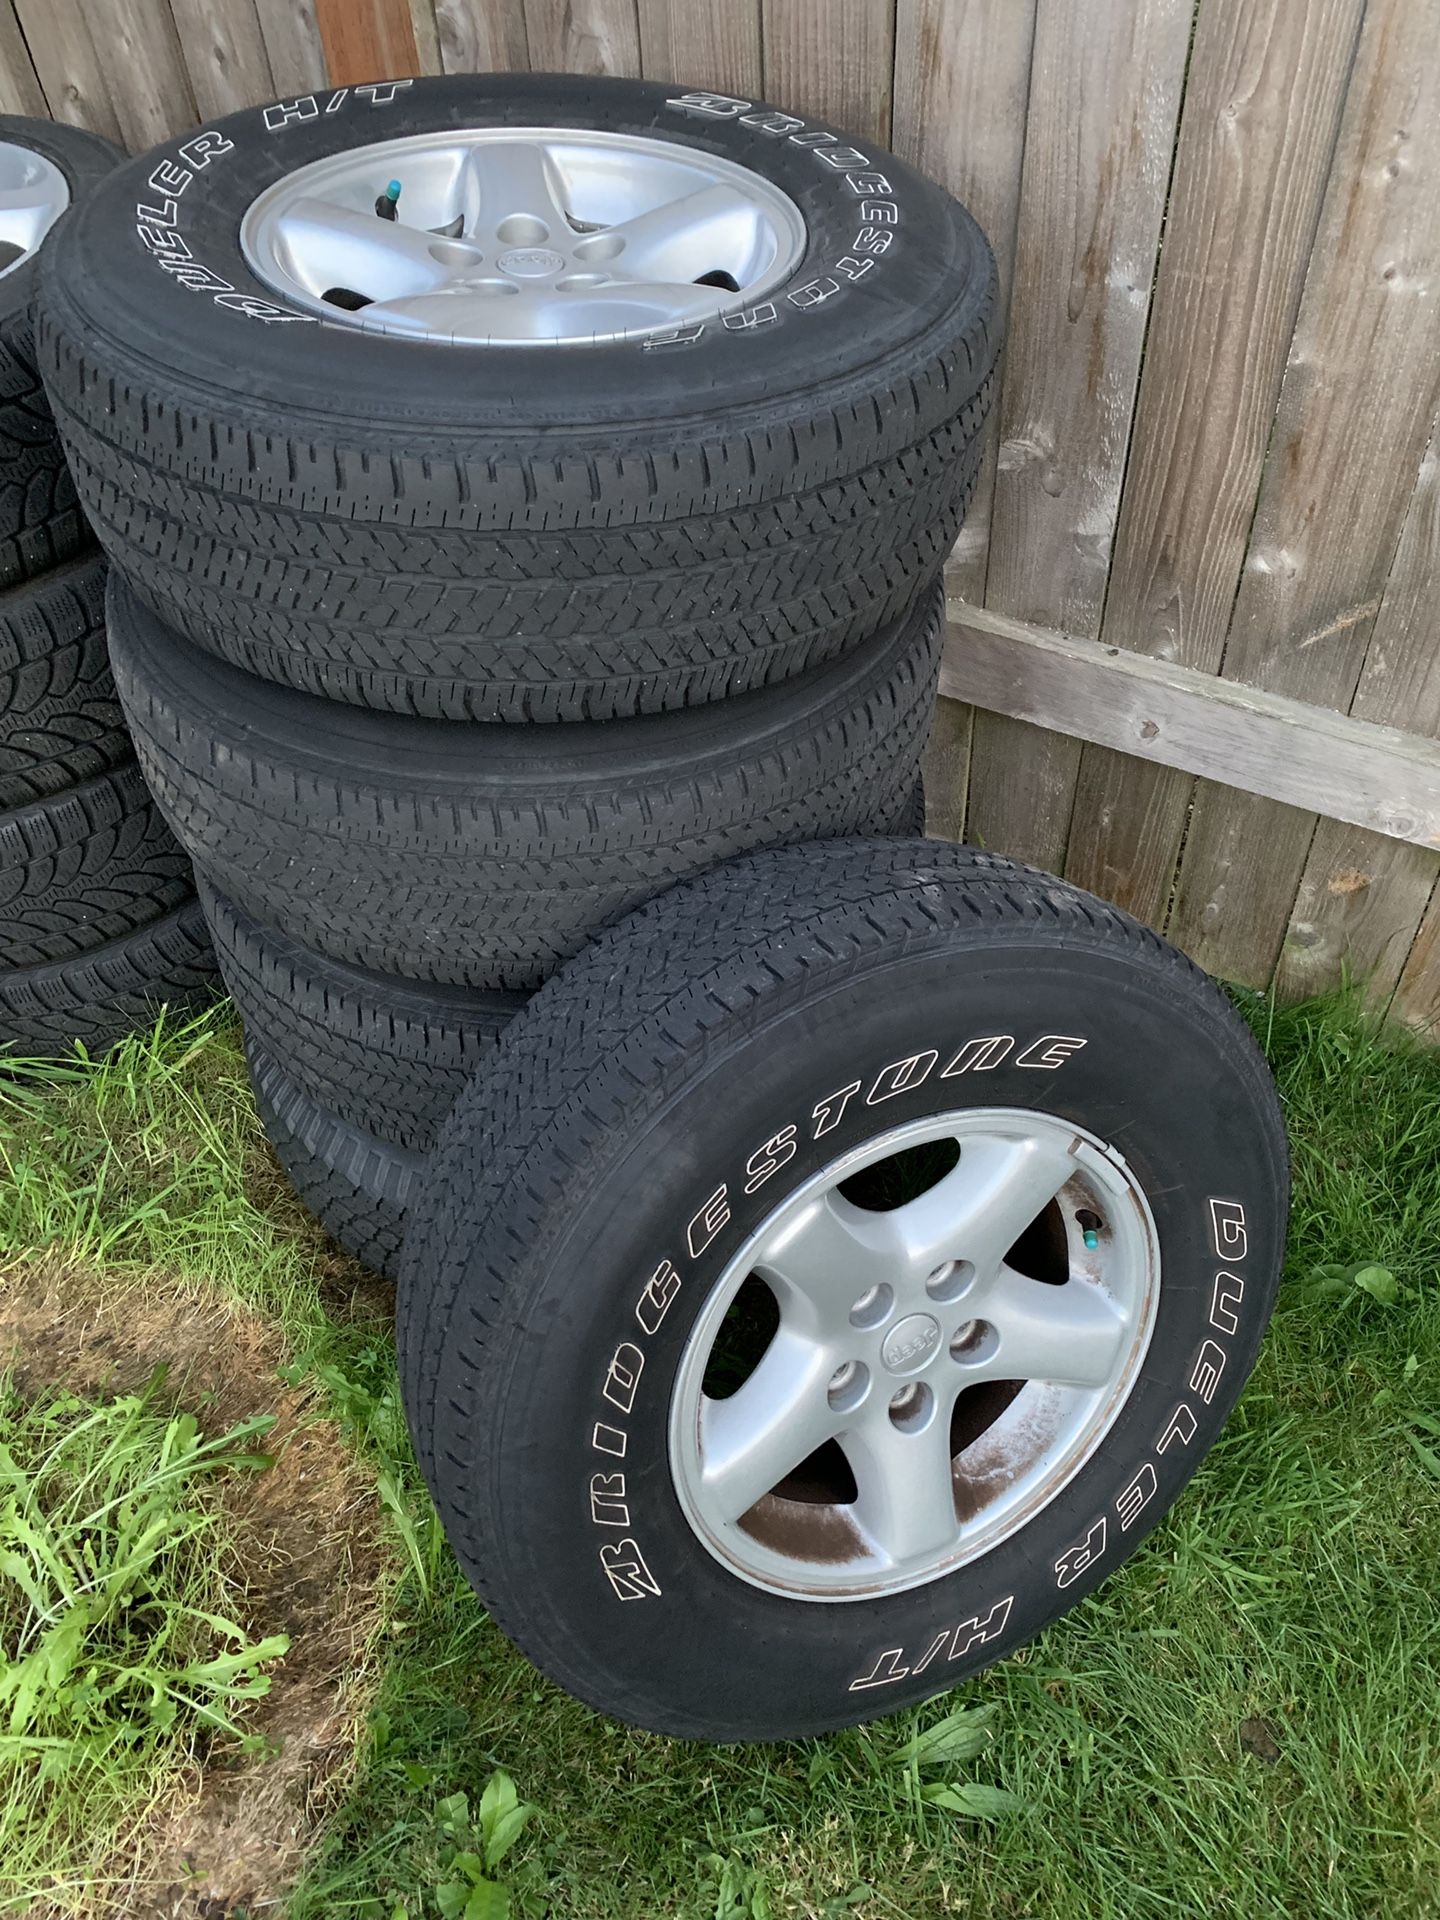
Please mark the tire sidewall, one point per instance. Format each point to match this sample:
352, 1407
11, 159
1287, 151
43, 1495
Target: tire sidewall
156, 257
622, 1600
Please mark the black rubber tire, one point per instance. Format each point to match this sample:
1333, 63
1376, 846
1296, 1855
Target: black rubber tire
83, 867
520, 533
486, 856
40, 519
912, 826
110, 992
358, 1187
550, 1279
60, 720
388, 1056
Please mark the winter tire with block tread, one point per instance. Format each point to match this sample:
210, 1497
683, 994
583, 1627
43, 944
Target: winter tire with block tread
100, 996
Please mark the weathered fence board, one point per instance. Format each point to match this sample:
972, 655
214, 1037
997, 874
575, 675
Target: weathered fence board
1377, 777
367, 39
224, 54
962, 83
1417, 998
138, 48
1262, 109
20, 89
832, 59
482, 36
67, 66
292, 44
1204, 549
1355, 412
1361, 898
583, 36
1104, 95
703, 46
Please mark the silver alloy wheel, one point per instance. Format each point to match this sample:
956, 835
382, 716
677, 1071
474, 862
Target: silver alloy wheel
522, 236
33, 195
920, 1397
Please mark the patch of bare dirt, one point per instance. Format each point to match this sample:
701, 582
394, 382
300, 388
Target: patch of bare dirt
232, 1834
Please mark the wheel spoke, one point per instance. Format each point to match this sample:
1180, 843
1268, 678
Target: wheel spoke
905, 1491
981, 1207
1070, 1334
780, 1415
681, 239
518, 178
822, 1261
334, 246
25, 214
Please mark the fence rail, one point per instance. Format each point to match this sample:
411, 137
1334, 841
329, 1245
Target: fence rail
1196, 600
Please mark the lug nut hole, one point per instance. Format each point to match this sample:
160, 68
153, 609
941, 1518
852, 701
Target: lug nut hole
949, 1281
912, 1408
973, 1341
849, 1385
522, 230
874, 1308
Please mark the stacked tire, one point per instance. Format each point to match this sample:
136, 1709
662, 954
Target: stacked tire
99, 924
444, 646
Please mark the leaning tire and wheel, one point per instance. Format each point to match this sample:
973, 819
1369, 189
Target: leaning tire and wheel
692, 406
841, 1266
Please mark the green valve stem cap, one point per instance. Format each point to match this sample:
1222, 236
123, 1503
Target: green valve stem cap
385, 205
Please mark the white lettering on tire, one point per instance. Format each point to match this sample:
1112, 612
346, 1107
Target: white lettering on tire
1227, 1230
980, 1056
157, 227
901, 1076
625, 1569
708, 1221
1074, 1561
607, 1500
1132, 1502
627, 1363
976, 1631
1050, 1051
654, 1303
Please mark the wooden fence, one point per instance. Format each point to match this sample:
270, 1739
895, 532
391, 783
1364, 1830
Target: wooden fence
1193, 658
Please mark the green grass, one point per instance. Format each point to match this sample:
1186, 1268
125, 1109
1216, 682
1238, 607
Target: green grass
1243, 1721
117, 1650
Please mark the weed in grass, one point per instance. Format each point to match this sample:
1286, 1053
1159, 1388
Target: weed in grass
117, 1646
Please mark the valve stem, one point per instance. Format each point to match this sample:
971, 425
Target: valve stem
385, 205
